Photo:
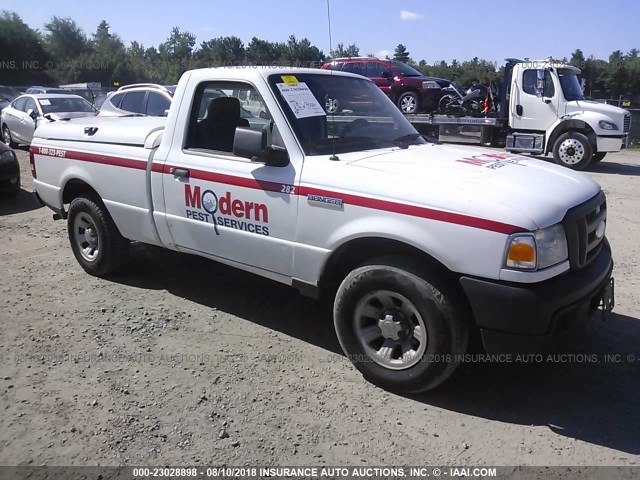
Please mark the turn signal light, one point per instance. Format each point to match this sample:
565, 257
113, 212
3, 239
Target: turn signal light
522, 252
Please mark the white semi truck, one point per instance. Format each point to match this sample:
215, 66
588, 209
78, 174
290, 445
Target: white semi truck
542, 110
417, 244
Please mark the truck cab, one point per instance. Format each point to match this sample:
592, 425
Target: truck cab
548, 113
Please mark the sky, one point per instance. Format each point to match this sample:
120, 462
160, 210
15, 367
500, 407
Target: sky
431, 30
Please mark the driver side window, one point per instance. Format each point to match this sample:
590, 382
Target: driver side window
219, 108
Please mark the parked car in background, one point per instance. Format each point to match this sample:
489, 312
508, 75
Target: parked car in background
7, 95
99, 100
154, 100
409, 89
140, 98
20, 119
9, 171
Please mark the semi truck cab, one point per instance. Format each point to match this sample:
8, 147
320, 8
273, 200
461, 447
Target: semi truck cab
548, 113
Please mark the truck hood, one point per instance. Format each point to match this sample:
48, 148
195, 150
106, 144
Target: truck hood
489, 184
597, 107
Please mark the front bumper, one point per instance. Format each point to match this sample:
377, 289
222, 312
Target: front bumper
518, 318
613, 143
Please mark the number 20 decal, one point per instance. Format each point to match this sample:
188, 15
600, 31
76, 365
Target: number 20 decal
288, 189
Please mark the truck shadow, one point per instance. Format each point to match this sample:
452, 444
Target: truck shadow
586, 398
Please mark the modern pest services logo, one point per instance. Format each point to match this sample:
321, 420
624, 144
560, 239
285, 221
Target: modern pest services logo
206, 206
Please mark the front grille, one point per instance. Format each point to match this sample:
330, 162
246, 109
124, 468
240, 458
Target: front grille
580, 224
627, 123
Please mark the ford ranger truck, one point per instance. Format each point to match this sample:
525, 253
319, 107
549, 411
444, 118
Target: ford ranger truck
418, 244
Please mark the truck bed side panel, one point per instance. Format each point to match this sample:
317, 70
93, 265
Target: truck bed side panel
116, 172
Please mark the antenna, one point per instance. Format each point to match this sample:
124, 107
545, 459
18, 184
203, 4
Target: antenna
329, 22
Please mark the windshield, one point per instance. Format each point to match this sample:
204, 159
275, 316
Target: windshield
570, 85
360, 117
65, 104
405, 69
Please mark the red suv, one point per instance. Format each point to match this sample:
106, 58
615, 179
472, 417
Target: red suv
409, 89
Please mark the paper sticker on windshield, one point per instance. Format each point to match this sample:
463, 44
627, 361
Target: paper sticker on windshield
44, 101
289, 79
302, 102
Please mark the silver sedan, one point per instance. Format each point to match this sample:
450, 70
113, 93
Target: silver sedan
20, 119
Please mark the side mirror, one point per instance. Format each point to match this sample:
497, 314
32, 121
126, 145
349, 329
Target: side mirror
32, 113
166, 113
251, 143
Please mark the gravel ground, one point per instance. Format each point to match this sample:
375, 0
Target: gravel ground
181, 361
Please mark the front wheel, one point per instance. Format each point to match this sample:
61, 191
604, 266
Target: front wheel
95, 240
409, 102
572, 150
403, 329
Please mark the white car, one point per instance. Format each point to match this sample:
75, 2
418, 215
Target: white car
20, 119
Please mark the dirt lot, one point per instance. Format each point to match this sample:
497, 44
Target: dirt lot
180, 361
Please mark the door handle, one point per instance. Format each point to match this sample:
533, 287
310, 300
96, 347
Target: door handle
180, 172
519, 110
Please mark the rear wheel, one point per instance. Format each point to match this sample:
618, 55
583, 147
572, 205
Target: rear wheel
6, 136
94, 237
409, 102
403, 328
572, 150
598, 156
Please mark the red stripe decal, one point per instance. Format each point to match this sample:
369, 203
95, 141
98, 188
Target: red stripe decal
415, 211
356, 200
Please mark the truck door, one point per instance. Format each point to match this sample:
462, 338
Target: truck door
534, 100
228, 207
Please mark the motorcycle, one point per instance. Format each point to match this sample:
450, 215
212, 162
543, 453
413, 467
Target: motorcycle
455, 103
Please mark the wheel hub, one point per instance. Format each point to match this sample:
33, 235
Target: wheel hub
571, 151
394, 328
390, 329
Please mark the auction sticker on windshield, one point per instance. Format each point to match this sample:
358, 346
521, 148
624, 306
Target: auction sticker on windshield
302, 102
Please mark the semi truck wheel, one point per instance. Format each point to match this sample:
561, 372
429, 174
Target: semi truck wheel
598, 156
402, 328
95, 239
409, 102
572, 150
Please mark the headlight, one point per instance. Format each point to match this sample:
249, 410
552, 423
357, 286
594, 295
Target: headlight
430, 84
7, 157
537, 250
603, 124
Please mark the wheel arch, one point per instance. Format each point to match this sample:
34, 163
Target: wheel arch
573, 125
356, 251
74, 187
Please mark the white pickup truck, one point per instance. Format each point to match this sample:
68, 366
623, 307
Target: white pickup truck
418, 244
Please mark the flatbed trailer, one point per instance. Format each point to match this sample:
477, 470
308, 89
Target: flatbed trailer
489, 131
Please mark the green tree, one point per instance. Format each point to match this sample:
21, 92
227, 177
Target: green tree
401, 53
24, 59
340, 51
222, 51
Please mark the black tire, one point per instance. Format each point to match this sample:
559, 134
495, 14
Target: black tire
443, 104
89, 224
14, 190
572, 150
440, 307
7, 138
409, 102
598, 157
